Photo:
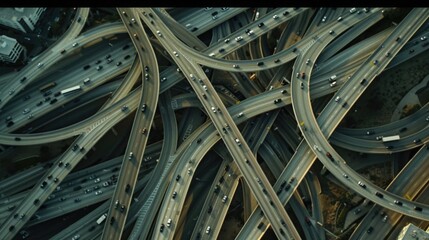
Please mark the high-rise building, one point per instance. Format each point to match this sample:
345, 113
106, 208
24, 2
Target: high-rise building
10, 49
23, 19
412, 232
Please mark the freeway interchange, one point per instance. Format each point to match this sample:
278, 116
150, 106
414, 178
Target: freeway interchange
177, 109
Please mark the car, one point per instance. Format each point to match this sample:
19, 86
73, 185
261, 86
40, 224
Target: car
260, 64
370, 132
118, 63
363, 81
275, 17
417, 208
403, 129
238, 141
143, 131
161, 229
86, 67
9, 118
127, 188
227, 40
389, 147
250, 32
98, 192
337, 99
339, 19
416, 141
109, 60
344, 104
261, 24
362, 184
238, 39
63, 51
240, 114
324, 18
302, 85
136, 36
353, 10
75, 44
333, 84
331, 32
329, 156
277, 100
9, 124
23, 79
235, 66
99, 67
213, 109
174, 195
316, 148
205, 87
307, 62
97, 180
378, 194
375, 62
169, 222
76, 237
378, 138
122, 208
303, 75
345, 175
144, 107
208, 230
43, 185
175, 53
27, 110
369, 230
36, 201
388, 54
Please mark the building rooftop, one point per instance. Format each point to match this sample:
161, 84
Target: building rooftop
16, 13
412, 232
6, 44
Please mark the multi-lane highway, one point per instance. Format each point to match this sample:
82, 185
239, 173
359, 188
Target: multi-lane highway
251, 86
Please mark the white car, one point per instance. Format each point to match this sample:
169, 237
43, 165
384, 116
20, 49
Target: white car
75, 44
27, 110
98, 192
238, 39
317, 148
205, 87
175, 53
214, 109
333, 84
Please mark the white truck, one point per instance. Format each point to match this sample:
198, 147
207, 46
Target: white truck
102, 218
390, 138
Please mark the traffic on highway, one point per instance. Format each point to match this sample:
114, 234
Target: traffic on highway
218, 123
